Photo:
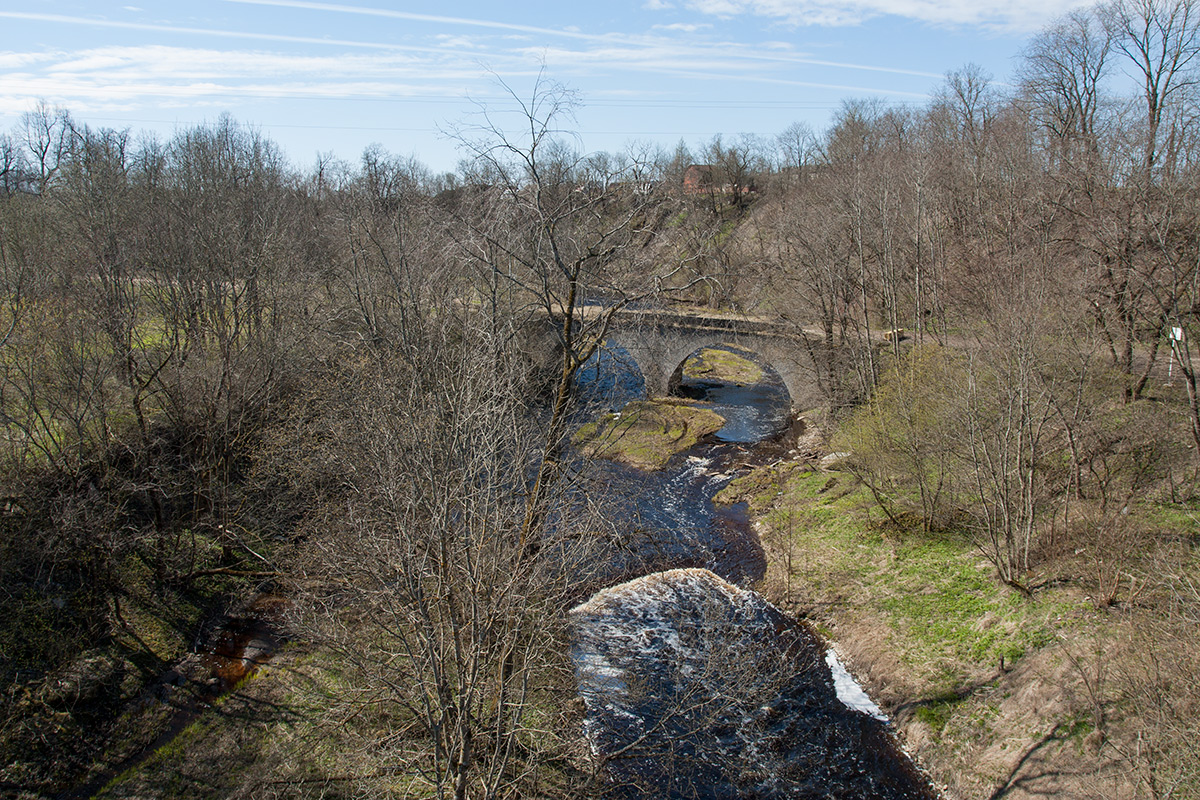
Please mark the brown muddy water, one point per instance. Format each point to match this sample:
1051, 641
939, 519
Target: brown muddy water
237, 647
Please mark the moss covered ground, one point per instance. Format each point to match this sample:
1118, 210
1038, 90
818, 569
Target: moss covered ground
647, 433
86, 673
723, 364
947, 616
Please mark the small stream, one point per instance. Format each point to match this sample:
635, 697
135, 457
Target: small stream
695, 686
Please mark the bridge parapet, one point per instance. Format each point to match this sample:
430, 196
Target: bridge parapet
697, 319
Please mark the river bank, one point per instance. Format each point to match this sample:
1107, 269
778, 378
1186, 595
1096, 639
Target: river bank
994, 694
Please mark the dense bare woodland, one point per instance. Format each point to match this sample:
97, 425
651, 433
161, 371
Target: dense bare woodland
222, 375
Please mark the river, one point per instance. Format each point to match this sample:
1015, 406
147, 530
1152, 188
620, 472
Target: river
695, 686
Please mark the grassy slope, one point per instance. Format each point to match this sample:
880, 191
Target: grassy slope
275, 734
94, 707
990, 690
306, 725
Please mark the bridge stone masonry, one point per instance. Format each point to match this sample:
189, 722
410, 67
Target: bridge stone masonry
660, 340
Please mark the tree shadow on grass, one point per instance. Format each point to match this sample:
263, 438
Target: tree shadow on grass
1029, 783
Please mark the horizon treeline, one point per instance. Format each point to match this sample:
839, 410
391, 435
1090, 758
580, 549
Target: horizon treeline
1085, 160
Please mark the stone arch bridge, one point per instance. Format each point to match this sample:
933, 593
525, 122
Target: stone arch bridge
659, 341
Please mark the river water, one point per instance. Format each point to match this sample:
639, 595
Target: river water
695, 686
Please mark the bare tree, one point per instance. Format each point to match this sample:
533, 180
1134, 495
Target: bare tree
736, 169
1161, 40
13, 177
46, 133
1124, 202
905, 438
566, 245
1063, 72
797, 148
417, 447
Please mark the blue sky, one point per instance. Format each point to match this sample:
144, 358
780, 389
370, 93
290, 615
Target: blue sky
331, 77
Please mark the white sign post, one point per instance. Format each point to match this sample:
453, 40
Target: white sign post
1176, 338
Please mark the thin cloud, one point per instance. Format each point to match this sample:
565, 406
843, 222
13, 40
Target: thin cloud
139, 66
447, 65
719, 8
838, 87
413, 17
146, 26
92, 91
700, 67
734, 56
684, 27
606, 39
144, 70
459, 42
816, 62
18, 60
1016, 15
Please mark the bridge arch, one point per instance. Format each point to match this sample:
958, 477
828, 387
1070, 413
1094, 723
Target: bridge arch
675, 378
659, 351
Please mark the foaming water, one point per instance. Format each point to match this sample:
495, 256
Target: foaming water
671, 520
849, 691
696, 687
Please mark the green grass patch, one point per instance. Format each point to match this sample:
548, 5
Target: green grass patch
949, 606
722, 364
1179, 519
1077, 728
947, 612
726, 230
937, 712
761, 487
647, 433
